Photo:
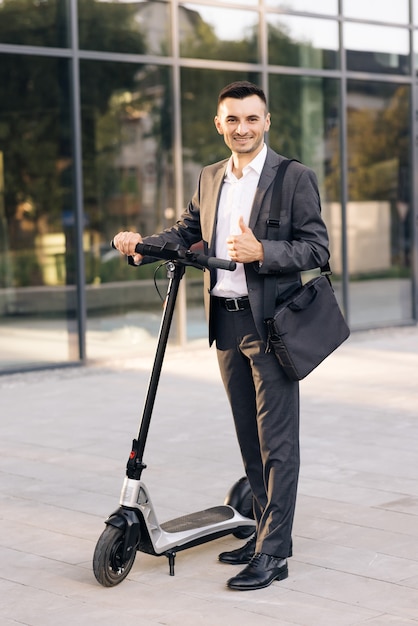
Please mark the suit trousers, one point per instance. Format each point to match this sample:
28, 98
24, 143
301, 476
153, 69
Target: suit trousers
265, 408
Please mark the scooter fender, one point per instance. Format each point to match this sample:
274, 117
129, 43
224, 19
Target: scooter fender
127, 520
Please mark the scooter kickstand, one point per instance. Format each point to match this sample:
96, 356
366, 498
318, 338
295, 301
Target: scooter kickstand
171, 556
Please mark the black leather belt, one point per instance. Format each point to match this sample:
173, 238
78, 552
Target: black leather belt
234, 304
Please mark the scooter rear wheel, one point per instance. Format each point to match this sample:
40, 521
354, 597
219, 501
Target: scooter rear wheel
241, 498
108, 565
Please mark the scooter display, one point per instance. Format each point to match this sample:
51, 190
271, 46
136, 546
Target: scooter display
134, 526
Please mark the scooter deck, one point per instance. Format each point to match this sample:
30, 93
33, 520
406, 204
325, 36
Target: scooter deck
199, 519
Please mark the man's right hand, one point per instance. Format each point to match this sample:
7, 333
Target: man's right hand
126, 242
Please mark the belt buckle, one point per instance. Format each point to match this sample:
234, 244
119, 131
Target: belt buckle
232, 301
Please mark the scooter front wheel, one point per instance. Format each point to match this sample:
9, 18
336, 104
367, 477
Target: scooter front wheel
108, 564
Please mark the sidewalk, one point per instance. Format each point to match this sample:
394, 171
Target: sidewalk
65, 436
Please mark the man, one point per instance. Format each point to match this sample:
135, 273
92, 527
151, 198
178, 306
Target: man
229, 213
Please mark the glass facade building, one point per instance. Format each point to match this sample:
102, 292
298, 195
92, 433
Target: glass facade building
106, 118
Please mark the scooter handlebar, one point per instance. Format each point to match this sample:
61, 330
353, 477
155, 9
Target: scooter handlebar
212, 262
173, 252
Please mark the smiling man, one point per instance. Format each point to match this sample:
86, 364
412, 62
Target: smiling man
229, 213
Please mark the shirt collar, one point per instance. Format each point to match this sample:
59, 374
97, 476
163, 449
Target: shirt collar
256, 164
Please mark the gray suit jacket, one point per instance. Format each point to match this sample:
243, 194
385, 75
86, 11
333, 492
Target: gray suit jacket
303, 239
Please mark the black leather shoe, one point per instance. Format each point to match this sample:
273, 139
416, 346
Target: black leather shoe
240, 556
259, 573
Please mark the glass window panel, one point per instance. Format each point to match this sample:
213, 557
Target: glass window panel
376, 10
303, 42
325, 7
217, 33
378, 49
34, 23
37, 224
416, 50
128, 27
415, 12
127, 115
379, 213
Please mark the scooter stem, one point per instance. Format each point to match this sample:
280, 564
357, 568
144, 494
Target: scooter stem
135, 465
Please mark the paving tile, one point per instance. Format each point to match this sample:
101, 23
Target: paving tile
361, 591
367, 563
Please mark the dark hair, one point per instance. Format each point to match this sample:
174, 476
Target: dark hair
241, 89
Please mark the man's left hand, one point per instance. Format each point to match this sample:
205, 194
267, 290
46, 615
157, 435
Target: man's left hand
245, 248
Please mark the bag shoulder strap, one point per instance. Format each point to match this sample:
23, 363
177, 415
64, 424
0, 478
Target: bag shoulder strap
273, 225
273, 222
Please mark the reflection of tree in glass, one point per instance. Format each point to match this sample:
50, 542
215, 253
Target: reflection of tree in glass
282, 49
119, 30
200, 41
33, 23
286, 48
378, 142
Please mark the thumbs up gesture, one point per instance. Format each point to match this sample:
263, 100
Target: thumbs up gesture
244, 247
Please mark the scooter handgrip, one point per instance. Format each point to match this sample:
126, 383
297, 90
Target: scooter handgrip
168, 251
213, 262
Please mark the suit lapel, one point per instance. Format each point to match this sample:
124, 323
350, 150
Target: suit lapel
211, 212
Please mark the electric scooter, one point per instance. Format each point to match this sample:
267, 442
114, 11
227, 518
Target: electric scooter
134, 526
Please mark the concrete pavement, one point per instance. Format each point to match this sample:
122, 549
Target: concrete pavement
65, 438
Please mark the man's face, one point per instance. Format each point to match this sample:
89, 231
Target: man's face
243, 124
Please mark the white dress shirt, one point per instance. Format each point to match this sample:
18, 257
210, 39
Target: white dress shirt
237, 196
